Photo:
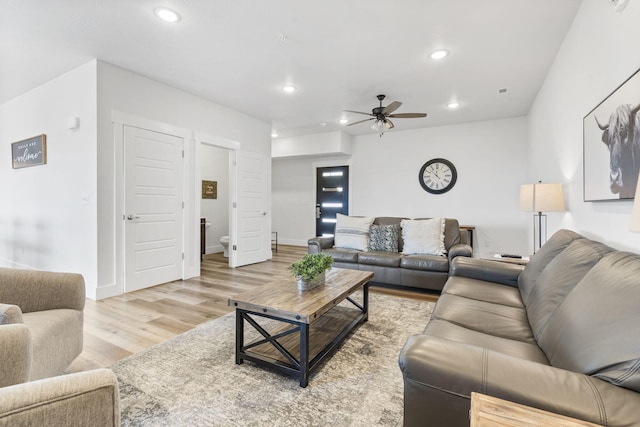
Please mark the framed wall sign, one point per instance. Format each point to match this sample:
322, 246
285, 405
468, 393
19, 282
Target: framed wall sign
29, 152
611, 139
209, 189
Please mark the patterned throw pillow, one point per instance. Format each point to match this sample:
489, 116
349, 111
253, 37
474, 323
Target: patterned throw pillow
384, 237
352, 232
423, 236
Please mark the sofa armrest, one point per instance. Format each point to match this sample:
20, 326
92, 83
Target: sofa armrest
10, 314
492, 271
15, 353
83, 399
33, 290
440, 375
461, 249
317, 244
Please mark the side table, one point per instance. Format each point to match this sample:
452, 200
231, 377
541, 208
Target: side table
490, 411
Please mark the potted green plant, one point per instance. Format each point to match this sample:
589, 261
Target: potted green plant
310, 270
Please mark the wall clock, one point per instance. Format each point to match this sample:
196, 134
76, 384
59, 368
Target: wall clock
438, 176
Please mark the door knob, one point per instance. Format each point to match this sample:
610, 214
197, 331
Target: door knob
264, 213
132, 217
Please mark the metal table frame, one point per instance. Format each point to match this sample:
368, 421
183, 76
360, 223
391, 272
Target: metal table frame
303, 366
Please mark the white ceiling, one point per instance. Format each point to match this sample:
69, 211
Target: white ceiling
339, 53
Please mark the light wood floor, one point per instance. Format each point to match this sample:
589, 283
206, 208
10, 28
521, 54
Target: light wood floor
117, 327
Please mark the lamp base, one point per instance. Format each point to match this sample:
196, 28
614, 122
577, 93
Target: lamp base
539, 228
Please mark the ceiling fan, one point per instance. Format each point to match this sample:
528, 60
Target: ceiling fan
381, 115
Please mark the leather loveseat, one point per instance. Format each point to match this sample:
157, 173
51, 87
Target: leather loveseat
561, 334
395, 268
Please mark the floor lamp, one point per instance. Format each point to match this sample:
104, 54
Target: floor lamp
541, 198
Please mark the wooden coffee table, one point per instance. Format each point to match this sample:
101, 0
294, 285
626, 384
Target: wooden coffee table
313, 323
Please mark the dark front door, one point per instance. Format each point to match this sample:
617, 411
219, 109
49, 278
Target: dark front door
332, 197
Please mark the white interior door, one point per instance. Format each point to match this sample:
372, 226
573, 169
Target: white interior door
251, 212
153, 206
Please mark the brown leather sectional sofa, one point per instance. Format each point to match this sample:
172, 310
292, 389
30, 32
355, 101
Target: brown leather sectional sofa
394, 268
561, 334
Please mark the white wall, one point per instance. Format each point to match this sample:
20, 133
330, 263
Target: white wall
214, 166
48, 212
599, 52
490, 158
125, 92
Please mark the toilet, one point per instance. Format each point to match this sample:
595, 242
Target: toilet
224, 241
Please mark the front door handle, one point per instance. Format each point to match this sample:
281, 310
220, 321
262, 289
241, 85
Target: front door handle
318, 213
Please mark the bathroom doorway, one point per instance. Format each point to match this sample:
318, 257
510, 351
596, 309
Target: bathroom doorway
214, 205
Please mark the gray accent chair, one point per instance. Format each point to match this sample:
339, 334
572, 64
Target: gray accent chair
561, 334
41, 319
41, 327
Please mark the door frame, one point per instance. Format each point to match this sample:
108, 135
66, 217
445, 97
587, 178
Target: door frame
328, 164
199, 139
119, 121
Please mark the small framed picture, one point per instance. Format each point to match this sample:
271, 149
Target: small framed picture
29, 152
209, 189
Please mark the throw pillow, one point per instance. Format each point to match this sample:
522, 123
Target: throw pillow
423, 236
352, 232
384, 237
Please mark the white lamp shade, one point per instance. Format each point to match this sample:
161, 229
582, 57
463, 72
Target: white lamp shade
541, 198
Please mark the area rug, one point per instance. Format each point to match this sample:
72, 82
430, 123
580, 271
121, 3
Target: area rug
192, 379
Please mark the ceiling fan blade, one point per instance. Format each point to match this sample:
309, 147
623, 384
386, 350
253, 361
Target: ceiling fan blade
391, 107
361, 121
407, 115
358, 112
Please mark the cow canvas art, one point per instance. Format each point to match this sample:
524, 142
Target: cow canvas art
611, 134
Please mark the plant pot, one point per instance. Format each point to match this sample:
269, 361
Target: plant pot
305, 285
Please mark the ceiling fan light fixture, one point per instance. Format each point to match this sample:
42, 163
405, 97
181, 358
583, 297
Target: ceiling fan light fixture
377, 125
438, 54
388, 124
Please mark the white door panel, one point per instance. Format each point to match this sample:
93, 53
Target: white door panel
253, 242
152, 208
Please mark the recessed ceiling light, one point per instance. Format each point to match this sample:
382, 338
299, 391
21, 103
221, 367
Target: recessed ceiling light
167, 15
289, 89
344, 121
453, 105
274, 134
439, 54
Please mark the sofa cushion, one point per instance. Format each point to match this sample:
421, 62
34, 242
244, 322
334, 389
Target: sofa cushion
425, 262
595, 330
383, 259
352, 232
559, 277
494, 319
384, 237
343, 255
519, 349
425, 236
556, 244
483, 291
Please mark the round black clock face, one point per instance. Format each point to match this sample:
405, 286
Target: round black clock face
438, 176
